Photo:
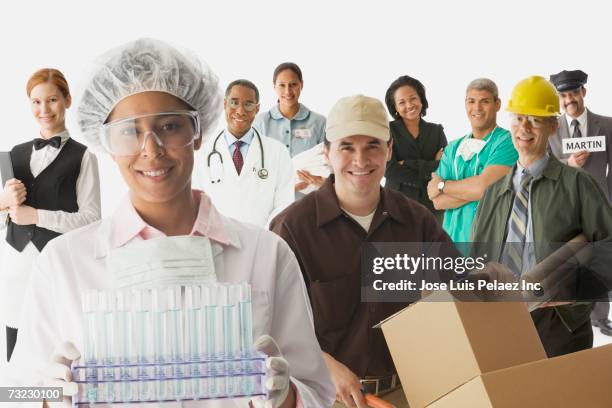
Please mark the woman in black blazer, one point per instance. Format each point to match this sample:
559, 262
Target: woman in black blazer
417, 144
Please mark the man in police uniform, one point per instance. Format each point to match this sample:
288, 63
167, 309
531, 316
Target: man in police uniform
578, 122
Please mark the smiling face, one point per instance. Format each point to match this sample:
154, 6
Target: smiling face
408, 103
49, 108
572, 102
288, 88
531, 141
239, 120
358, 164
155, 175
481, 108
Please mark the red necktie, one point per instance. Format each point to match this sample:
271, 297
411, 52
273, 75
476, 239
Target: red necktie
237, 156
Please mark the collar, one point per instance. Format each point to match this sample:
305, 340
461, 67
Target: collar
484, 139
64, 135
301, 114
582, 119
551, 171
328, 207
536, 168
247, 139
126, 224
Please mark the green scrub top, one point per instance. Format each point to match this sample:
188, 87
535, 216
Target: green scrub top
498, 150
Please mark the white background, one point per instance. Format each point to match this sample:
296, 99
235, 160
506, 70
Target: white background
343, 48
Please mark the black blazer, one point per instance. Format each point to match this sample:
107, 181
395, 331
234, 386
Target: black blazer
418, 154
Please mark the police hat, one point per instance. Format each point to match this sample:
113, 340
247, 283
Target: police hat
568, 80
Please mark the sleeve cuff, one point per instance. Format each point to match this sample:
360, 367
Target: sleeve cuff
43, 219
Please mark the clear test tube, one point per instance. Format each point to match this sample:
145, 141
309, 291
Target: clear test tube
174, 324
106, 304
235, 369
234, 298
192, 337
205, 347
192, 309
90, 307
123, 346
141, 307
246, 319
228, 336
209, 302
159, 306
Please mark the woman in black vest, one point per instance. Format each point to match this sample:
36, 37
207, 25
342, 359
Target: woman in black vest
55, 189
417, 144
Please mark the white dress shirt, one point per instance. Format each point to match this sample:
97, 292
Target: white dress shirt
582, 121
14, 265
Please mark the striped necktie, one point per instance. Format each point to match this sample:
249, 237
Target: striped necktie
518, 225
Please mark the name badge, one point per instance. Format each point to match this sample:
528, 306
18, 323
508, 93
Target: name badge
590, 144
302, 133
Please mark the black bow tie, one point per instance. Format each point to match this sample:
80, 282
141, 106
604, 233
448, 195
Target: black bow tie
55, 141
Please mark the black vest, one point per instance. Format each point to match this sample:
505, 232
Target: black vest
54, 189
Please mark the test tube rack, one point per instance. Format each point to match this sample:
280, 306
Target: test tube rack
168, 344
217, 377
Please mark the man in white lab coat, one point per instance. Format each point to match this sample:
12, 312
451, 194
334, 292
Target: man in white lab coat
151, 129
245, 167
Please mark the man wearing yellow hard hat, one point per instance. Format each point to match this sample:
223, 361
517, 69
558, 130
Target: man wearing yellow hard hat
540, 203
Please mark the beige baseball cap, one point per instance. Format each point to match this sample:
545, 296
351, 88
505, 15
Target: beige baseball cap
357, 115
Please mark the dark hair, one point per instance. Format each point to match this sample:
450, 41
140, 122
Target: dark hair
287, 65
405, 80
242, 82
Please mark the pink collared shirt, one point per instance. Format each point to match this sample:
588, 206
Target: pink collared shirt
128, 225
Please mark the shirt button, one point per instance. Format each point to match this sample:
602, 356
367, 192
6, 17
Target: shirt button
287, 145
286, 131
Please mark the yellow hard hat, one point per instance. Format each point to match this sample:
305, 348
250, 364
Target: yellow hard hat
534, 96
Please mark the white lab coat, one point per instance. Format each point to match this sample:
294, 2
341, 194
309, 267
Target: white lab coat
246, 197
75, 262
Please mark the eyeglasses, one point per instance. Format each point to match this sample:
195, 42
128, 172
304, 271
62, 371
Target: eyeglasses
534, 121
170, 130
248, 105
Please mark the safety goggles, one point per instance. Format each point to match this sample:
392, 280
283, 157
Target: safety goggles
248, 105
534, 121
170, 130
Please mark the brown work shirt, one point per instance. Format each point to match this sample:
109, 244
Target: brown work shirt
327, 243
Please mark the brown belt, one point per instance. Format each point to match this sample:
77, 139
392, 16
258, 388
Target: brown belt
377, 385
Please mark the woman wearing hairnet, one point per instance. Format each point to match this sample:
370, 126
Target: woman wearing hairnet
55, 189
148, 105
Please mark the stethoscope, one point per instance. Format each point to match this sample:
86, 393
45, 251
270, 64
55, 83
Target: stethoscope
262, 173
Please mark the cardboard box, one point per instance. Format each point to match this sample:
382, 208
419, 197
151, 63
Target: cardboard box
579, 379
438, 346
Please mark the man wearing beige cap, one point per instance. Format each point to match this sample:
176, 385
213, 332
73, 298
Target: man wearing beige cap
327, 230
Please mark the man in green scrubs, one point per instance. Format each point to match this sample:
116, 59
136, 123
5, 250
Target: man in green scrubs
473, 162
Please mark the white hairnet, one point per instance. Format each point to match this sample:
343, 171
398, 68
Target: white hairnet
146, 65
